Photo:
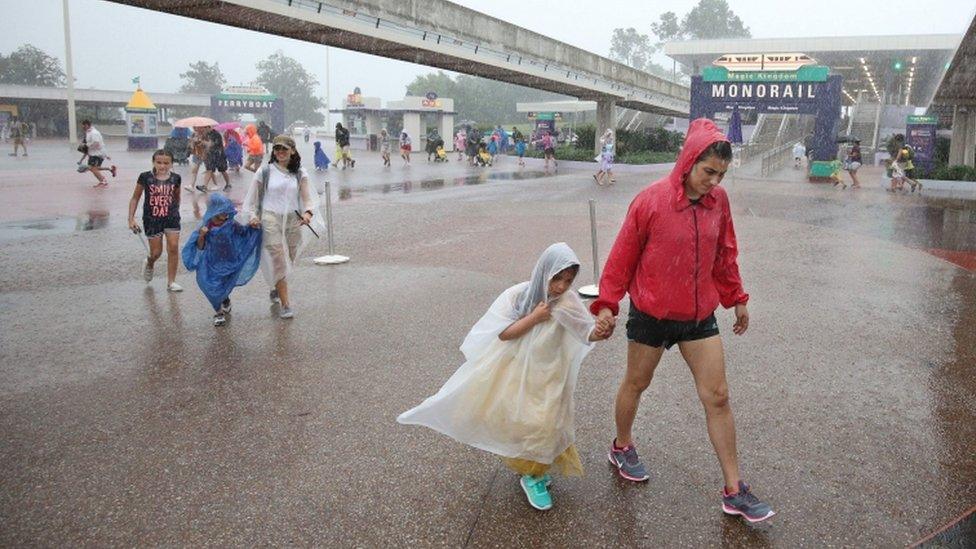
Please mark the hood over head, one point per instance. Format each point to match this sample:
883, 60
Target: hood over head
702, 132
554, 259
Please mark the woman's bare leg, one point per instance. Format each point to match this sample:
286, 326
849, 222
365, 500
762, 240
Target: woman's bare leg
706, 359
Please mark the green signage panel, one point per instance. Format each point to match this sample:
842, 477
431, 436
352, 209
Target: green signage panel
808, 73
923, 119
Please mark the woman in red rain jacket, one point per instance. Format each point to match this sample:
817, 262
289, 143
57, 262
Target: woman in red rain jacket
675, 256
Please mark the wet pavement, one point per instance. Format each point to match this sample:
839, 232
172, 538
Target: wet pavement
127, 419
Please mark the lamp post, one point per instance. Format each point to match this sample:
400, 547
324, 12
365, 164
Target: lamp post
72, 122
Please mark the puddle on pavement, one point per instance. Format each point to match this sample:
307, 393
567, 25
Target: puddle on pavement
88, 221
431, 184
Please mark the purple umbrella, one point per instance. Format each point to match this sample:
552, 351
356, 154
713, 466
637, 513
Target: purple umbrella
735, 127
224, 126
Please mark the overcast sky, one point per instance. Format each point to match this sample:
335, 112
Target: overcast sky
113, 43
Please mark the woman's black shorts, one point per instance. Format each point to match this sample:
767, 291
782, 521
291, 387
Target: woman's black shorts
655, 332
156, 226
214, 163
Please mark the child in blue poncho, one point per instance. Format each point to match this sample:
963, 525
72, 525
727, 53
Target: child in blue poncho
321, 160
224, 254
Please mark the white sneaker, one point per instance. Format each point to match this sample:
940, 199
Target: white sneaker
285, 312
174, 287
147, 270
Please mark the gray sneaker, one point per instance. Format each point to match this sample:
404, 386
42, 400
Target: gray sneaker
273, 296
285, 312
627, 463
147, 270
746, 504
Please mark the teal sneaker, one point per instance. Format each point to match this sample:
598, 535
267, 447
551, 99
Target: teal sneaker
536, 491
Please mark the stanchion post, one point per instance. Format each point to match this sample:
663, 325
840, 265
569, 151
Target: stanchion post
332, 258
593, 290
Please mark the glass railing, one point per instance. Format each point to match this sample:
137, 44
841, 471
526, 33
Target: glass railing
659, 91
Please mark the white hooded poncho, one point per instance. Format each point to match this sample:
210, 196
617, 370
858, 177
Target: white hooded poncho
515, 398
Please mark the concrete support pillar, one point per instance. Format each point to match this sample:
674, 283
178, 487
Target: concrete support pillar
447, 131
604, 119
962, 132
372, 124
411, 125
969, 146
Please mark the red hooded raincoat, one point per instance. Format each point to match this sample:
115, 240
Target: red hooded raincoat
676, 259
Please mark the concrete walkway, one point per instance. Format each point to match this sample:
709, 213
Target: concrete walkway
128, 419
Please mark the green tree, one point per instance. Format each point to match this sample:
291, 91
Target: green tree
286, 78
202, 77
635, 50
668, 29
713, 19
709, 19
29, 66
631, 47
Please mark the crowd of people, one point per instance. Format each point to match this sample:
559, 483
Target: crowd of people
513, 395
280, 201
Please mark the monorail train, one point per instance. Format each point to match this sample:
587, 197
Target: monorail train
764, 62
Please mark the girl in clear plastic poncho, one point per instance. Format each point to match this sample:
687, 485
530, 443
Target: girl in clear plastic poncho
224, 254
281, 201
513, 396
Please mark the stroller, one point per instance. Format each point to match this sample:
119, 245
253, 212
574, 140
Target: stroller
440, 155
178, 145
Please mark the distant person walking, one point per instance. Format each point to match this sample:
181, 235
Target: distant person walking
342, 142
307, 133
459, 143
385, 147
214, 161
264, 131
519, 140
255, 148
19, 133
548, 149
198, 153
405, 148
605, 158
852, 163
799, 153
96, 153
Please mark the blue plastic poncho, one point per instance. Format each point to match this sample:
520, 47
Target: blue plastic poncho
230, 255
321, 160
234, 152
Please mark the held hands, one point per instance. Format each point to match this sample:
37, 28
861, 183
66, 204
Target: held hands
254, 222
605, 324
741, 319
204, 230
